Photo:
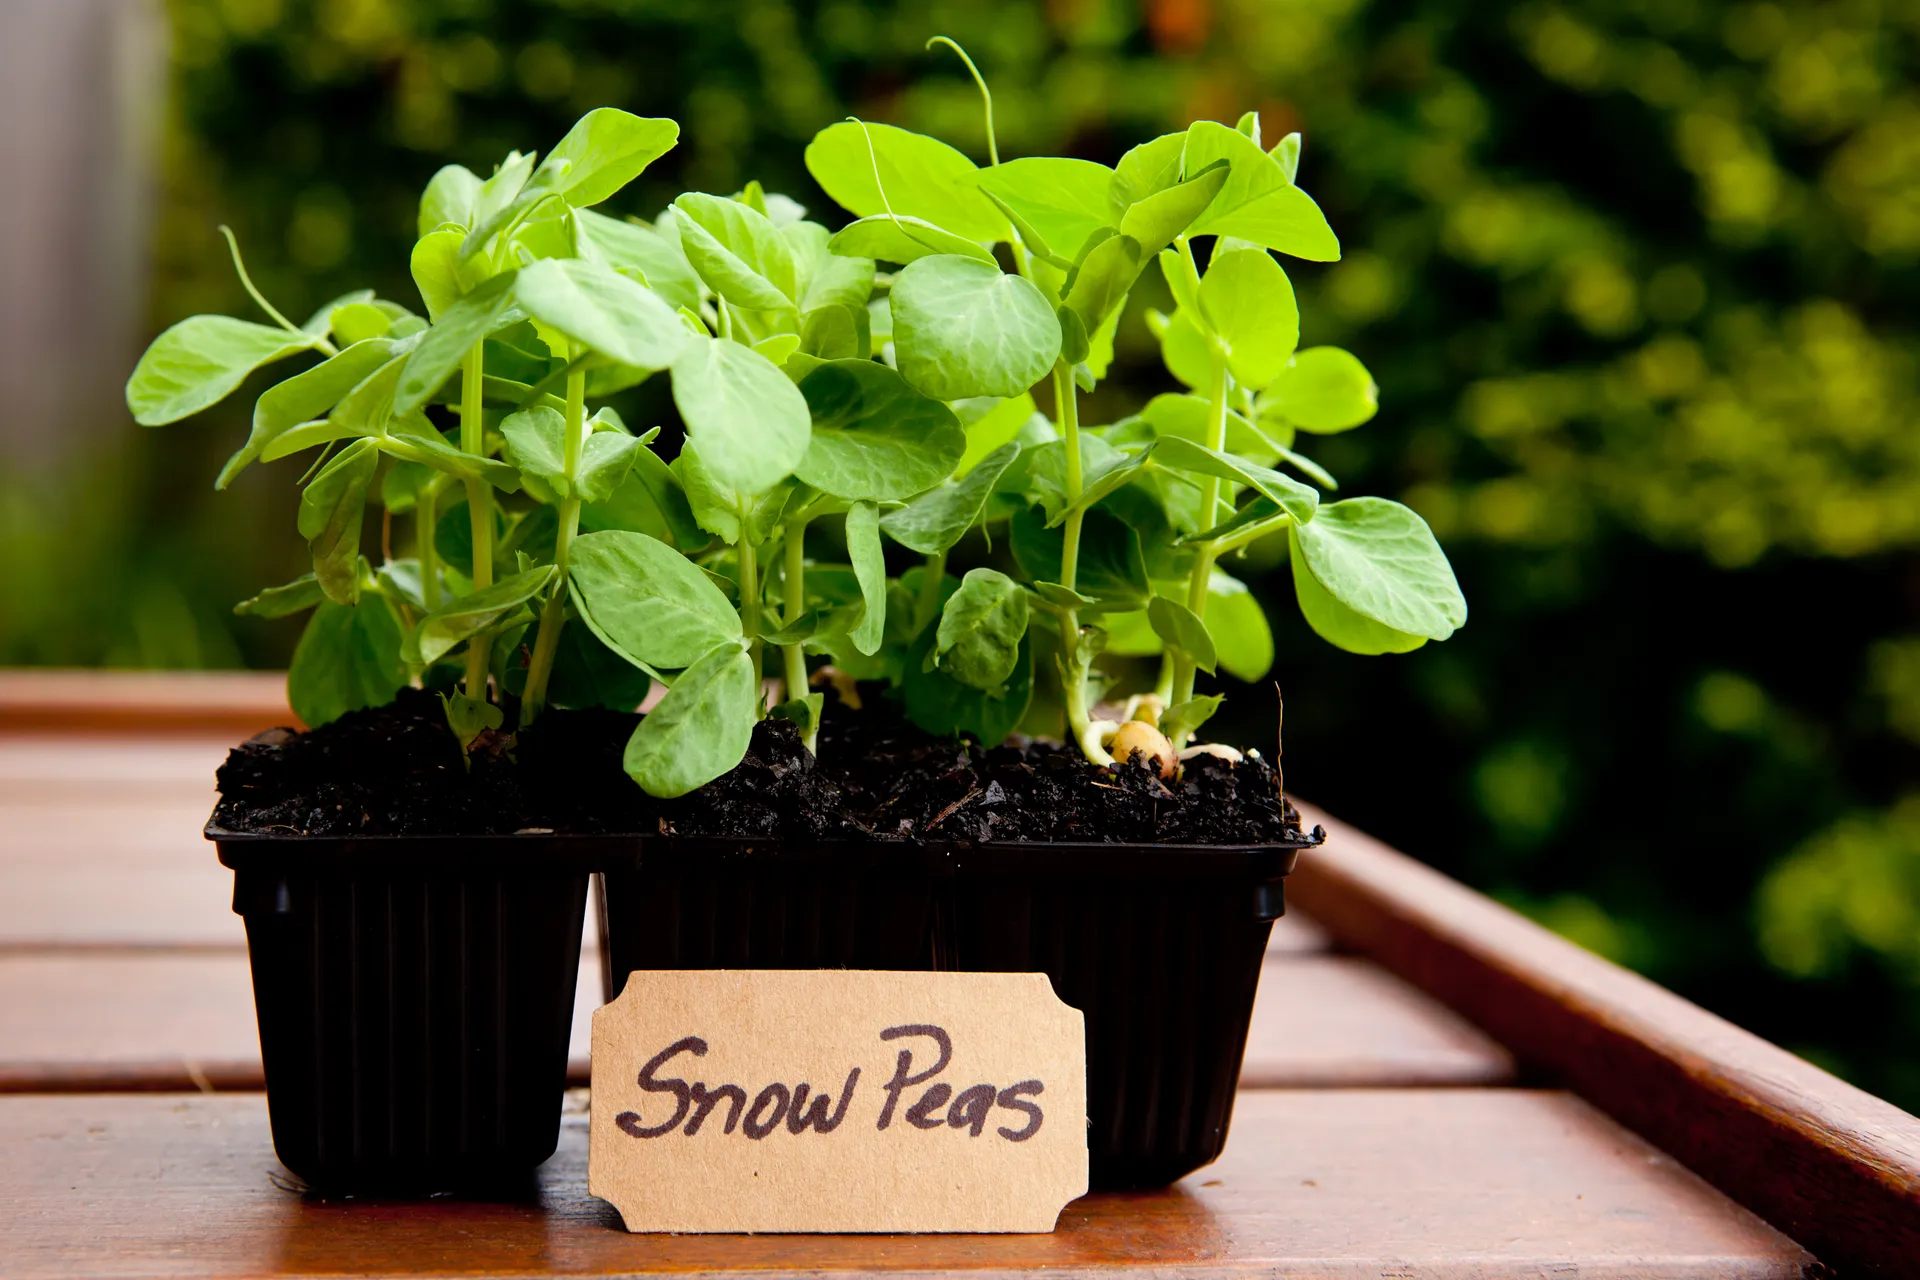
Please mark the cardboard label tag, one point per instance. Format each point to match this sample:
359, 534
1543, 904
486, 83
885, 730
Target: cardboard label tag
838, 1100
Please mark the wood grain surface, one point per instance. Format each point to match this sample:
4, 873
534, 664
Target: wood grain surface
100, 843
103, 1019
235, 704
1341, 1021
1833, 1166
1448, 1184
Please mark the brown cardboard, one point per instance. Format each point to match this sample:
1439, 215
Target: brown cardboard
956, 1150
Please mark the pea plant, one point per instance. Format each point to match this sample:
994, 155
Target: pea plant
548, 556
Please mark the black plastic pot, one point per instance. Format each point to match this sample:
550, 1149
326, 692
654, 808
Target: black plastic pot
1160, 946
683, 903
415, 996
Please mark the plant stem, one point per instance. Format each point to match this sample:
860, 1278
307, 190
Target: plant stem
795, 591
554, 617
426, 521
750, 598
1067, 406
1202, 573
479, 512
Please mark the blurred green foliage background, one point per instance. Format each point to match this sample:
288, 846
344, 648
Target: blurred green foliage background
1640, 281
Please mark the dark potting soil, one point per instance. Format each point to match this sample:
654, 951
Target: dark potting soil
397, 770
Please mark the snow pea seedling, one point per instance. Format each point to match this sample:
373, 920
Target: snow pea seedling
840, 390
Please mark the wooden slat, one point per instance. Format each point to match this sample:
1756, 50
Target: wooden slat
1338, 1021
157, 1019
1295, 934
101, 1021
100, 844
1448, 1184
1837, 1168
236, 704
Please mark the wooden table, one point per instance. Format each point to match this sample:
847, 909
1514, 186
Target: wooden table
1380, 1131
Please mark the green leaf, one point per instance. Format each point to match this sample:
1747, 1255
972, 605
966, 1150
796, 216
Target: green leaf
1101, 281
330, 518
978, 640
1064, 200
473, 614
715, 508
1242, 638
990, 422
444, 346
1324, 390
750, 421
1149, 168
1339, 625
606, 459
304, 396
468, 718
439, 272
596, 305
738, 252
936, 520
642, 254
1248, 301
875, 438
604, 151
870, 567
320, 323
1257, 509
1183, 348
829, 333
1056, 596
1190, 418
1074, 344
651, 492
646, 601
347, 658
804, 712
1286, 154
535, 442
903, 240
1380, 560
199, 361
701, 729
415, 440
1027, 235
496, 203
449, 197
779, 348
826, 279
1099, 486
586, 673
1183, 718
1155, 220
1259, 202
359, 321
801, 629
1111, 567
1296, 499
1182, 629
940, 704
923, 177
964, 328
277, 602
1046, 471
